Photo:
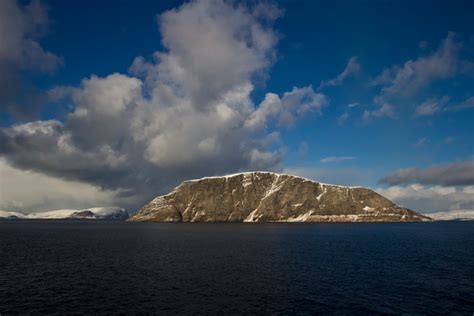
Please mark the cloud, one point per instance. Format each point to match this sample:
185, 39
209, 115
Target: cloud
466, 104
30, 191
444, 63
343, 118
346, 114
20, 30
458, 173
438, 105
385, 110
352, 68
421, 142
405, 81
303, 150
448, 140
429, 199
431, 106
184, 114
336, 159
287, 109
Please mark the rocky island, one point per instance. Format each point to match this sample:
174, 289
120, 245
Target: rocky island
271, 197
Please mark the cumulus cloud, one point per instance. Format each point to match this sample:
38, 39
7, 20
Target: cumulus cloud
352, 68
287, 109
186, 113
429, 199
453, 174
20, 30
336, 159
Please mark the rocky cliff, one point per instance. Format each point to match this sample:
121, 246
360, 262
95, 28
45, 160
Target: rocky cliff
271, 197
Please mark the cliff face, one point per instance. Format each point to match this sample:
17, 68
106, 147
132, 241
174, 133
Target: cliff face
271, 197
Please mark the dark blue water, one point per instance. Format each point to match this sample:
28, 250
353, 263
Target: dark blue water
100, 267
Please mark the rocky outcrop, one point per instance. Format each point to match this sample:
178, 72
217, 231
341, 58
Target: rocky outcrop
271, 197
82, 215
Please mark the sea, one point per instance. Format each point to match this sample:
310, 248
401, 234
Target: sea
105, 267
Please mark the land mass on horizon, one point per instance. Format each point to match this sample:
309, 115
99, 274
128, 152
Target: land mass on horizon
271, 197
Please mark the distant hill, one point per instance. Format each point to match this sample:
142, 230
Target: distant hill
106, 213
456, 215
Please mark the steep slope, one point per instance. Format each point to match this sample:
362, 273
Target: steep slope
270, 197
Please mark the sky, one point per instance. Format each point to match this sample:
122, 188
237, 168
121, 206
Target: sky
113, 103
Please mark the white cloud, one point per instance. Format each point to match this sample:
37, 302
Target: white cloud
420, 142
287, 109
336, 159
438, 105
429, 199
303, 149
385, 110
431, 106
416, 74
346, 114
406, 81
343, 118
185, 114
352, 68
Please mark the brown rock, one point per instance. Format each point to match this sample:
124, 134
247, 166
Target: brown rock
271, 197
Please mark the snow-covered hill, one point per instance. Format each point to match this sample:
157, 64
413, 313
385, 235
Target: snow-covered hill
108, 212
456, 215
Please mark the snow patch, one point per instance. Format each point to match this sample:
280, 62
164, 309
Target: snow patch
257, 173
250, 218
301, 218
247, 180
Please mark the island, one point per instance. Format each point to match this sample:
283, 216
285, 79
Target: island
271, 197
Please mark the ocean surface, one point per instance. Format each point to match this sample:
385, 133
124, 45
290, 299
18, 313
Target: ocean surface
89, 267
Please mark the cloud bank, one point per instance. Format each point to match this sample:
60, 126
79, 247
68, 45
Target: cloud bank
429, 199
454, 174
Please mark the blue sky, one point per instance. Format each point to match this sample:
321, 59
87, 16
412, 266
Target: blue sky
373, 87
